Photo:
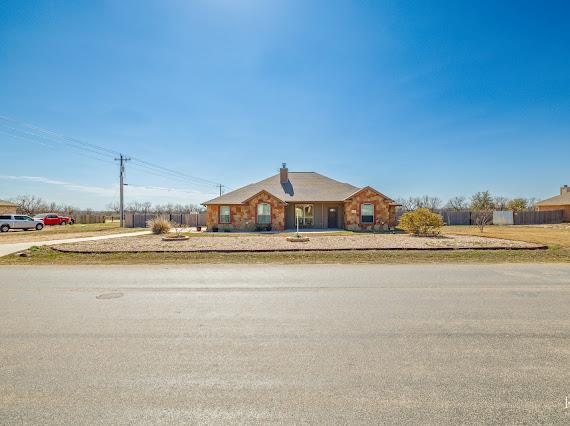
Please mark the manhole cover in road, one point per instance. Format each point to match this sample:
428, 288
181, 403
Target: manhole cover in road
110, 296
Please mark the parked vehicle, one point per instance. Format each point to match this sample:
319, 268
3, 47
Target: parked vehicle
15, 221
54, 219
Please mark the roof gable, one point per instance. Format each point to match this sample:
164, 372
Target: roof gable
358, 191
263, 191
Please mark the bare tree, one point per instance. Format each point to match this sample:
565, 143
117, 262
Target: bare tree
483, 204
146, 207
29, 204
531, 203
500, 203
113, 207
134, 207
425, 201
406, 204
458, 203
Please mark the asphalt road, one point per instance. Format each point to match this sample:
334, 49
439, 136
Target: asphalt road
344, 344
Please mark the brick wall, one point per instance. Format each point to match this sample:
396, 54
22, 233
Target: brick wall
384, 213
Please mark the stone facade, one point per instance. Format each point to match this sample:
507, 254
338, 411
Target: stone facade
384, 213
243, 217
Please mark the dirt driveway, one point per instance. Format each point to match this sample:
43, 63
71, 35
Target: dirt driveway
208, 243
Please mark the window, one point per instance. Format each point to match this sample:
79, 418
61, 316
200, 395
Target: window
263, 213
367, 213
304, 214
225, 216
20, 217
5, 217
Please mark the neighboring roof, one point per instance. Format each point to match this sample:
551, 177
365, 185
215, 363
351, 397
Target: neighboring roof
302, 186
559, 200
7, 203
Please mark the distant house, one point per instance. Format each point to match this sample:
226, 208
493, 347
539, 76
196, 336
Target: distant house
7, 207
559, 202
317, 201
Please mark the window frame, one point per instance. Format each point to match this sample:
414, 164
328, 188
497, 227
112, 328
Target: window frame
257, 214
229, 215
373, 213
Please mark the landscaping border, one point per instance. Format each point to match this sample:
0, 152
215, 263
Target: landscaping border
300, 249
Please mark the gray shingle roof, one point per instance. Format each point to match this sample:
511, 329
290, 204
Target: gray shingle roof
559, 200
302, 186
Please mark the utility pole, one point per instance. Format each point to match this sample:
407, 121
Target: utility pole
220, 186
122, 160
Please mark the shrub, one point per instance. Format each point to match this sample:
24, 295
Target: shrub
160, 225
421, 222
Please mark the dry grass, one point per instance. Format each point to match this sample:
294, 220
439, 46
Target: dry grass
57, 232
47, 256
551, 235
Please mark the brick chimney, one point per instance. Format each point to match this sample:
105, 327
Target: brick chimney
284, 173
564, 189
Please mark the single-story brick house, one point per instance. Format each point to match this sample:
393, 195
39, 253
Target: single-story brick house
559, 202
7, 207
319, 202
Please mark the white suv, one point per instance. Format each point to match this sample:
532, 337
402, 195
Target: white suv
15, 221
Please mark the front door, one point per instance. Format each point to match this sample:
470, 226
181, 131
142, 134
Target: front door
333, 218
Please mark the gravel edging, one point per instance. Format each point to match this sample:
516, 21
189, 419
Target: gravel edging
537, 247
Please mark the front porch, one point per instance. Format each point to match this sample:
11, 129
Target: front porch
317, 216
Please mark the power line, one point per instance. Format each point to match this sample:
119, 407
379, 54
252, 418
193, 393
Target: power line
43, 143
99, 150
175, 172
22, 130
59, 135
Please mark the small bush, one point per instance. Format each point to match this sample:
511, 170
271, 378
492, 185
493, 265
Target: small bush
160, 225
421, 222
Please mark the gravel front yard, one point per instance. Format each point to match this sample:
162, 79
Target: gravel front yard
153, 243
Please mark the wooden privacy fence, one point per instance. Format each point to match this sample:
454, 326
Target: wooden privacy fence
538, 218
89, 218
140, 220
450, 217
507, 217
454, 217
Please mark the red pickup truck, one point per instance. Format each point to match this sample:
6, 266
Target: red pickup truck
54, 219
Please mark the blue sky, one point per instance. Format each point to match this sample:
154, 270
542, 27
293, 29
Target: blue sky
439, 98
